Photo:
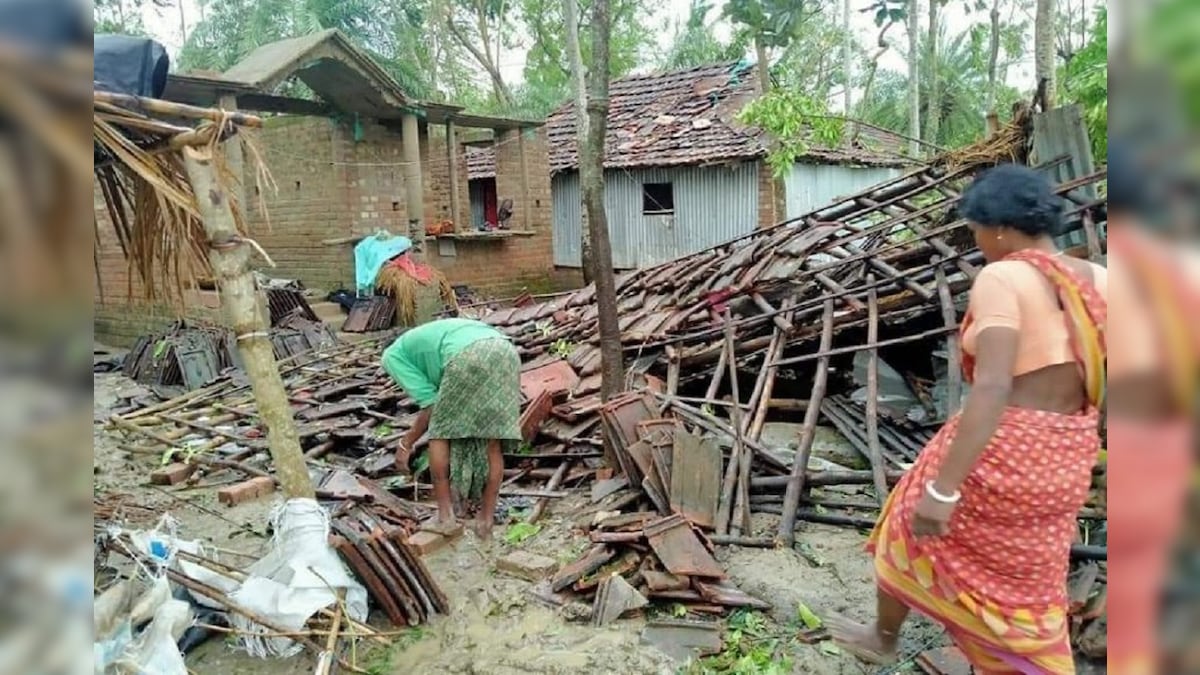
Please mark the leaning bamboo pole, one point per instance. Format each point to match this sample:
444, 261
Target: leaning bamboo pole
229, 255
795, 488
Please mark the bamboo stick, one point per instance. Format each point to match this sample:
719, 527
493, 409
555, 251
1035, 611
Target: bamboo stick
725, 506
718, 376
876, 452
822, 479
551, 485
325, 663
825, 353
954, 356
230, 257
171, 109
749, 542
787, 526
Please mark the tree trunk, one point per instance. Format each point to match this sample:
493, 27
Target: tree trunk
612, 367
230, 260
182, 25
933, 99
1043, 51
764, 66
992, 117
847, 59
914, 78
579, 84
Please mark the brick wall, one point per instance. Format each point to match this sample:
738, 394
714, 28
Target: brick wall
524, 261
436, 177
337, 179
771, 198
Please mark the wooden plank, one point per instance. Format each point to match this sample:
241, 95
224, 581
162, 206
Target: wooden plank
696, 479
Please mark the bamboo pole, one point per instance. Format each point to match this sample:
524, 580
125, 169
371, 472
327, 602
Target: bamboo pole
876, 452
551, 485
725, 506
954, 357
230, 259
791, 500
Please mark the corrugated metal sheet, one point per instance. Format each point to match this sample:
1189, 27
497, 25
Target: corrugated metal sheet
475, 193
812, 186
712, 205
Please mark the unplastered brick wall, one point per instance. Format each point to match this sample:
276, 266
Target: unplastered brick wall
436, 179
770, 197
341, 178
524, 261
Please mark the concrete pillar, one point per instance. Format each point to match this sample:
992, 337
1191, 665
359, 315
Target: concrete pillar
452, 158
414, 193
234, 158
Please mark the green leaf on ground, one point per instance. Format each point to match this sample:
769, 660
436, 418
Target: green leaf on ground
519, 532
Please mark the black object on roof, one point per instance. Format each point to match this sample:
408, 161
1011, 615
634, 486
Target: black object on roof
130, 65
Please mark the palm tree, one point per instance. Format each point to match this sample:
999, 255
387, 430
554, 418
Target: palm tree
961, 103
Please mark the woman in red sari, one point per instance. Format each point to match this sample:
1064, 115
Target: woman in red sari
977, 535
1153, 373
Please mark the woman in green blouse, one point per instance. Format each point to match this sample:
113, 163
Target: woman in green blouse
465, 376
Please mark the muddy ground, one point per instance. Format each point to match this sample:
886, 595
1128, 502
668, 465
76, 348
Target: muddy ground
496, 626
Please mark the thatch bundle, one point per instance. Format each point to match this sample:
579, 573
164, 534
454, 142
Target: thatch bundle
141, 176
394, 281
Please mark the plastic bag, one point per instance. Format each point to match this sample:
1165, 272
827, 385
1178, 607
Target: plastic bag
299, 576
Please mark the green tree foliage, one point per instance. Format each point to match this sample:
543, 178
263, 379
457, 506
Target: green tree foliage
547, 75
795, 121
1085, 80
123, 16
695, 44
961, 68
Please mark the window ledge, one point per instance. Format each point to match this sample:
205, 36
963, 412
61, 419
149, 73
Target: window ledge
484, 235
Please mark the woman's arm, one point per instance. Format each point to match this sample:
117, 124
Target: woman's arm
418, 429
997, 353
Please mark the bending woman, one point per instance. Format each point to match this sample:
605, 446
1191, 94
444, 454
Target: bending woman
465, 376
977, 535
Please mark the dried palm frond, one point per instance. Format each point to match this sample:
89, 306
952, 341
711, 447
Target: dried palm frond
404, 289
148, 199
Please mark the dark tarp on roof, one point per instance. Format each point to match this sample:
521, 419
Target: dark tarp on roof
45, 24
130, 65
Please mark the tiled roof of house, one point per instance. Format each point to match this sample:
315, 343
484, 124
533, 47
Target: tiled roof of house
688, 117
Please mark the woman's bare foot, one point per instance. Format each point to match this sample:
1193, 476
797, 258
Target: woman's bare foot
866, 642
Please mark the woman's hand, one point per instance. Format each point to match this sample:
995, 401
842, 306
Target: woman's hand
403, 454
932, 518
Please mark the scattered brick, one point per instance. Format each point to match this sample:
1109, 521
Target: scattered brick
172, 474
246, 491
425, 542
527, 566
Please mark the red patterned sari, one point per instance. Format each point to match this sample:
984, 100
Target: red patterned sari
997, 580
1149, 461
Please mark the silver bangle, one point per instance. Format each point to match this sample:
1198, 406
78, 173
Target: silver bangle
939, 497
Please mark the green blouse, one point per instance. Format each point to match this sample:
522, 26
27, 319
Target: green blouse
417, 358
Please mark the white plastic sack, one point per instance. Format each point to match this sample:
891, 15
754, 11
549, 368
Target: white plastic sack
299, 576
155, 652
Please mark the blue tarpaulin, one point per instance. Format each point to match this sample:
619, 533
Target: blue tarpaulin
371, 253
